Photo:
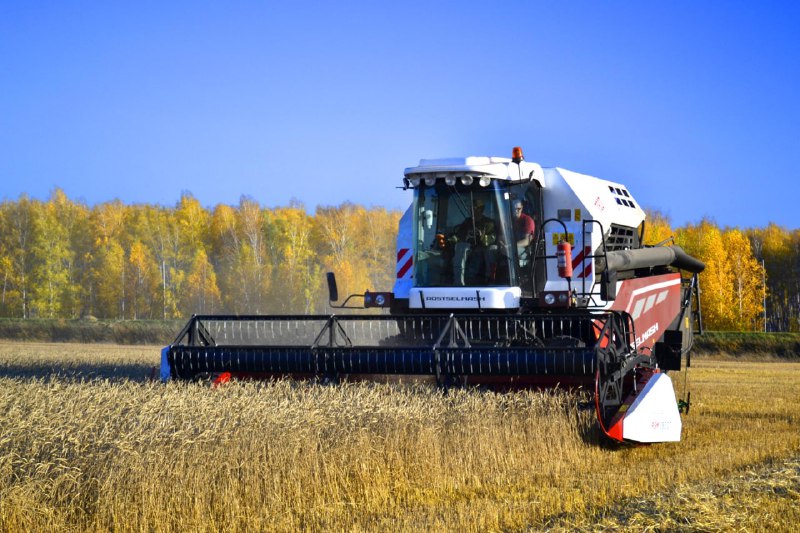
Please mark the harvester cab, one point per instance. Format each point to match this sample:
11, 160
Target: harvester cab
534, 243
465, 234
508, 275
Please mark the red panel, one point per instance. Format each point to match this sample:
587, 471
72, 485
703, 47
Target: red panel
653, 302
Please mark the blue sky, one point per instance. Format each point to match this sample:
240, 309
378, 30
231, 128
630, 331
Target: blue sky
692, 105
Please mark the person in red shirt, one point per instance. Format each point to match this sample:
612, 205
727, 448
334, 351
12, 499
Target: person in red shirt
524, 228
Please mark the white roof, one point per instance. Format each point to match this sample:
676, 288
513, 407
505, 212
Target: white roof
498, 167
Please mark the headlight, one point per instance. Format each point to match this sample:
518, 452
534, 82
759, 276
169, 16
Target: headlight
467, 180
380, 299
430, 181
549, 299
450, 180
484, 181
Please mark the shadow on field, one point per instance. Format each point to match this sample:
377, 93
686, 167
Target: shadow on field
134, 372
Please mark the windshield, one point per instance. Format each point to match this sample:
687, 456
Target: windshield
462, 234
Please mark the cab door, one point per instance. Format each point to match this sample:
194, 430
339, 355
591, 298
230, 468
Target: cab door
530, 266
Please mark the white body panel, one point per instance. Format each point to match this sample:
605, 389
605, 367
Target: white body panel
465, 298
604, 201
583, 204
405, 255
654, 415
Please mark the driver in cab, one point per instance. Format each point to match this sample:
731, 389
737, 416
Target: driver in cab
475, 245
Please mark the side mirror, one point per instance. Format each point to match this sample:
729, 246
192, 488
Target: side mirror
333, 291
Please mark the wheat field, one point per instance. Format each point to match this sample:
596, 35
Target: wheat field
88, 442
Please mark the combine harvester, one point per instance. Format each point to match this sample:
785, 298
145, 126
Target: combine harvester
509, 275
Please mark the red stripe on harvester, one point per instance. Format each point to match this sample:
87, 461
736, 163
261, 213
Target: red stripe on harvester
405, 268
577, 260
401, 253
587, 250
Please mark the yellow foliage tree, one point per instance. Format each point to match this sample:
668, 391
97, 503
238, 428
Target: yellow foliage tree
56, 291
143, 281
657, 228
705, 242
746, 276
6, 279
377, 228
107, 280
731, 285
226, 249
341, 233
110, 273
17, 235
193, 223
202, 293
157, 229
239, 250
297, 269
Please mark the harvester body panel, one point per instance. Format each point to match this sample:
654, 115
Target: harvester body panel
404, 271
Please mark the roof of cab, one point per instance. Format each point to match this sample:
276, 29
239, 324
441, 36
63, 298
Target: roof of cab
498, 167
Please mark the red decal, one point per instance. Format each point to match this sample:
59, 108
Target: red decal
577, 260
587, 251
405, 268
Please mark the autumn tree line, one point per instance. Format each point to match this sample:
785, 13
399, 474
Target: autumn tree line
63, 259
745, 269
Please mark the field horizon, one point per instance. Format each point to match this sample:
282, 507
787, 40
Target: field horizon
784, 345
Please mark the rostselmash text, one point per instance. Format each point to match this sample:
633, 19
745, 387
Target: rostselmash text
647, 334
453, 298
